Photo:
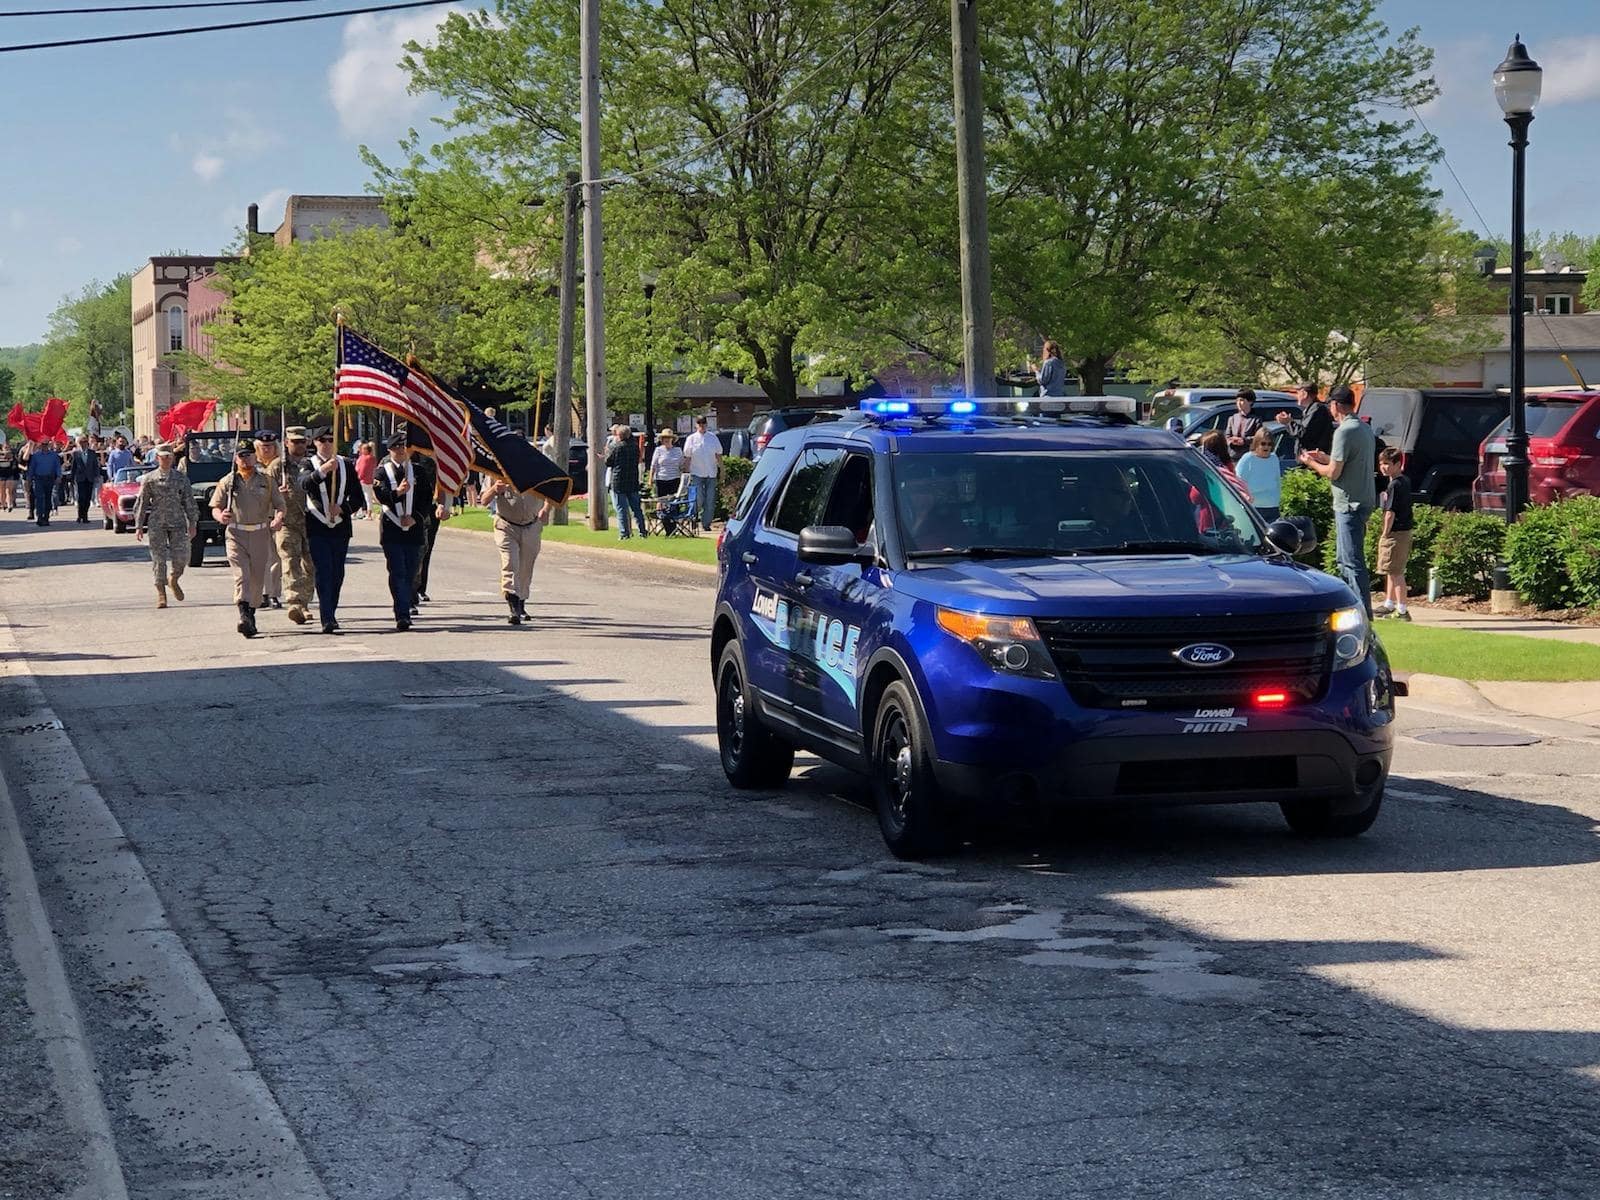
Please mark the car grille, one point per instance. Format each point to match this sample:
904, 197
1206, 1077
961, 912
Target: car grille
1127, 662
126, 503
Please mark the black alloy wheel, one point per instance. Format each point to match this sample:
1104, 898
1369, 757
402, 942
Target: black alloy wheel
913, 813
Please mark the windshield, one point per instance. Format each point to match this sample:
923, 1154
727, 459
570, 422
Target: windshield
1545, 418
1041, 504
130, 474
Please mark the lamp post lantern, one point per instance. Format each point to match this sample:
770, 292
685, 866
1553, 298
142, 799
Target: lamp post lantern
1517, 82
647, 280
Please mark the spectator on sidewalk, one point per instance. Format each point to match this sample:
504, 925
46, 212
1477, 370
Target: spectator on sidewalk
1051, 371
703, 453
622, 465
366, 471
119, 458
666, 470
1214, 447
1349, 467
1313, 425
1242, 423
1394, 540
10, 472
1262, 474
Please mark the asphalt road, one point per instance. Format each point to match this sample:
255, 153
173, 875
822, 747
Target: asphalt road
489, 923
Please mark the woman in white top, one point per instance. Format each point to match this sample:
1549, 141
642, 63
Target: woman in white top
666, 468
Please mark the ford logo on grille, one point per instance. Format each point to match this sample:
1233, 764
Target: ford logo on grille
1203, 654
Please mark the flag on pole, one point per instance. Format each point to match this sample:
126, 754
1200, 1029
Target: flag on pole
499, 450
47, 425
184, 416
367, 377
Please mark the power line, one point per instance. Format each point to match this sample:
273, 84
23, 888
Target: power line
165, 33
139, 8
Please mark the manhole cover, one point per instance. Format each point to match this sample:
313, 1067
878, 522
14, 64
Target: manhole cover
460, 693
1476, 737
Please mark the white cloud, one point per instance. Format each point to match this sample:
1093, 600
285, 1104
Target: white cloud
365, 83
208, 166
1572, 70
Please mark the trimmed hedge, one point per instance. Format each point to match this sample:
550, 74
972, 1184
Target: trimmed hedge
1465, 551
1426, 522
1307, 494
1553, 553
1580, 543
731, 479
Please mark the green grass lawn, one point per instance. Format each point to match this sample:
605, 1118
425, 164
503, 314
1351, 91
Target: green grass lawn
702, 549
1468, 655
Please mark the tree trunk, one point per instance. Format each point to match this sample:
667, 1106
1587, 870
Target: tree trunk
1092, 375
782, 390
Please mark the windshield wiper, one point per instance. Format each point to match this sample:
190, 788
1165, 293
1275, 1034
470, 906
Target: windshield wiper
1156, 547
994, 552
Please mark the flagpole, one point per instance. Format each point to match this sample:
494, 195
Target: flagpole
338, 361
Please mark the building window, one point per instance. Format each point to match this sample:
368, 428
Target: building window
1558, 305
1527, 304
175, 328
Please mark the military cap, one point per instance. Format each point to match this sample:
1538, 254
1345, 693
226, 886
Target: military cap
266, 435
166, 448
397, 439
294, 433
244, 446
320, 432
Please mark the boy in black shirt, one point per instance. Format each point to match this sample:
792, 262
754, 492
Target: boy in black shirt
1394, 542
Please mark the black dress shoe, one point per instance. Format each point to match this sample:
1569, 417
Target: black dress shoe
424, 597
329, 627
402, 626
415, 610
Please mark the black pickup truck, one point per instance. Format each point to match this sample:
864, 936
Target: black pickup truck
208, 456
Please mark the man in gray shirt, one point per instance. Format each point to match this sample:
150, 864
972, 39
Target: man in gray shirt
1351, 468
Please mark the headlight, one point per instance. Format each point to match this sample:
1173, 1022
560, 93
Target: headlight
1350, 635
1008, 644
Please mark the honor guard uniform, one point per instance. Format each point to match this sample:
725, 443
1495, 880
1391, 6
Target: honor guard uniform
166, 511
401, 531
332, 494
267, 457
427, 487
251, 509
293, 556
519, 520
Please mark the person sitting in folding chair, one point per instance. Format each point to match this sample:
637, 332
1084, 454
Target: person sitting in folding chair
666, 477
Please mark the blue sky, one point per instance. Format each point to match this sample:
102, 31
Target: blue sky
111, 154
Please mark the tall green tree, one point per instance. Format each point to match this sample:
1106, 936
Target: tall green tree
88, 352
1147, 156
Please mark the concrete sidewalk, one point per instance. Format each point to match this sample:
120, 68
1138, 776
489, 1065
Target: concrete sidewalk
1472, 622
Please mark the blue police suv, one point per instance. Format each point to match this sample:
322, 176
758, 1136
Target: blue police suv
993, 604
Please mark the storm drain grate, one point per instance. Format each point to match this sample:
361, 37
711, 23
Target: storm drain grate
36, 727
1477, 737
459, 693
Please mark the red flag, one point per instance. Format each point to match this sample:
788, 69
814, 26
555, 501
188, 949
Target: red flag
48, 425
184, 416
15, 418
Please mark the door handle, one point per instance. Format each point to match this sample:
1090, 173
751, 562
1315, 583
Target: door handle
747, 559
804, 579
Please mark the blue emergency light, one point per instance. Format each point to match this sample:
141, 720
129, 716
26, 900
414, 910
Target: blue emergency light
1100, 406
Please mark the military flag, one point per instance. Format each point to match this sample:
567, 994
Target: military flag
367, 377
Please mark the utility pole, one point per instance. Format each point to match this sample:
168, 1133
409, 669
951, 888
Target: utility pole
569, 305
977, 314
594, 325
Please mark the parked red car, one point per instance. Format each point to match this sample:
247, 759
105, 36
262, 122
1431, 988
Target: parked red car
1563, 452
118, 496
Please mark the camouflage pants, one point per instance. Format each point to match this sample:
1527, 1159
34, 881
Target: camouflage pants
169, 550
294, 561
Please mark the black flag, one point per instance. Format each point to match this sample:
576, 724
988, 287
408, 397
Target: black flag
499, 450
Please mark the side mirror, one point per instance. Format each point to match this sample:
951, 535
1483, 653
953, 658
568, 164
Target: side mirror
1293, 535
831, 545
1175, 425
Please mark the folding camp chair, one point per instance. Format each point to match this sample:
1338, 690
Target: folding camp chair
670, 516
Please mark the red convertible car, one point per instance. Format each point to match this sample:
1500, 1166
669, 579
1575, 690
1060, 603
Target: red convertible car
117, 498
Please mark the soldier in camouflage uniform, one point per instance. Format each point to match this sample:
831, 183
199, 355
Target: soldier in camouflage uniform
166, 510
293, 553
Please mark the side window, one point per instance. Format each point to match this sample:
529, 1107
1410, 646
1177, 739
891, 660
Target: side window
807, 486
850, 503
766, 466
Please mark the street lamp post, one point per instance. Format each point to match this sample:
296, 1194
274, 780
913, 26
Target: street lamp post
1517, 82
648, 280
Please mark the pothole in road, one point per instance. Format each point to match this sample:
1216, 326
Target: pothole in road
455, 693
1476, 737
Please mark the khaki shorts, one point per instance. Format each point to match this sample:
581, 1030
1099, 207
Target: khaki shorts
1394, 549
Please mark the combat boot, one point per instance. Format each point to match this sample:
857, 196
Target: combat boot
177, 592
247, 620
297, 614
161, 595
516, 613
522, 609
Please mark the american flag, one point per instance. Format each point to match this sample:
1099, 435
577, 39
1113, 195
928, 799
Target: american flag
369, 377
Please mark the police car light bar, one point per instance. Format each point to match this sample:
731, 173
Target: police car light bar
1119, 406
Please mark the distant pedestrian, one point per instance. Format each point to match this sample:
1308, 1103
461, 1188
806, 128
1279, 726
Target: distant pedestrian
10, 472
250, 509
333, 494
1394, 539
1242, 422
702, 452
1262, 473
44, 473
519, 521
1214, 447
1051, 371
166, 511
666, 471
120, 457
84, 466
1312, 425
622, 465
93, 421
401, 532
1349, 467
366, 471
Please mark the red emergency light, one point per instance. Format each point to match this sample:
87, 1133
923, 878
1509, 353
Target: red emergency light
1271, 699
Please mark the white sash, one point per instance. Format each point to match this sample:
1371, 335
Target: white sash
404, 507
330, 491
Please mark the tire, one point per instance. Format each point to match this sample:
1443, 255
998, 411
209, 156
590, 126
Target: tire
1316, 818
115, 527
914, 815
197, 550
108, 522
1459, 500
752, 755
